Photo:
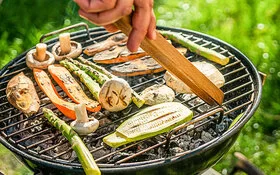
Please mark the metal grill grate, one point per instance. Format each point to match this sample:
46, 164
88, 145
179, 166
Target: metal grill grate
36, 137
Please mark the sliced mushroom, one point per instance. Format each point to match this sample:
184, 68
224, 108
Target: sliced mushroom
115, 95
83, 125
209, 70
157, 94
66, 48
39, 58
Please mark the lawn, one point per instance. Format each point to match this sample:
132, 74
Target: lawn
252, 26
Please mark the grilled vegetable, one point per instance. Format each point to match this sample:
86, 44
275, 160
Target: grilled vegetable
114, 95
91, 84
48, 88
107, 44
93, 73
137, 100
82, 152
66, 48
96, 67
149, 122
39, 57
210, 71
200, 50
117, 54
141, 66
82, 125
22, 95
157, 94
71, 87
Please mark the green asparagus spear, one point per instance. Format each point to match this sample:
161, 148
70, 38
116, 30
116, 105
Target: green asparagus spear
193, 47
137, 99
84, 156
96, 67
85, 78
94, 73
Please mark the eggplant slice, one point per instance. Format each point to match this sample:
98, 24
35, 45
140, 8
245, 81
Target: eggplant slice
140, 66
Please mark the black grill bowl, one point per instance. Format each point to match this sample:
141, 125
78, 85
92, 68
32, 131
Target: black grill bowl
193, 161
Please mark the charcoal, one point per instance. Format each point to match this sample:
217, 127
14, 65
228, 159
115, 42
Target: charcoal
104, 121
100, 153
173, 144
212, 132
118, 156
191, 146
197, 135
206, 136
97, 115
222, 127
199, 129
191, 131
161, 152
45, 100
174, 151
184, 145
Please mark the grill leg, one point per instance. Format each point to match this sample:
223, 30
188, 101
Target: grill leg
243, 164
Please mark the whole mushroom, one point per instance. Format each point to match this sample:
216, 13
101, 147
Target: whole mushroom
66, 48
39, 58
83, 125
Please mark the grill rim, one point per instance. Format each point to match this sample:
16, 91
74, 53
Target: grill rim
171, 160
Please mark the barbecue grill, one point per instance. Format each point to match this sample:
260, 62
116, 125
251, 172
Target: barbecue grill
188, 149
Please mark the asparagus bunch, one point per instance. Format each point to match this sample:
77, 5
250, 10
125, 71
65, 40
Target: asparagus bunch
114, 95
84, 156
101, 75
193, 47
92, 85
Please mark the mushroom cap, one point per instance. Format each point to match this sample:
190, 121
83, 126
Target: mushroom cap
85, 128
115, 95
76, 50
31, 62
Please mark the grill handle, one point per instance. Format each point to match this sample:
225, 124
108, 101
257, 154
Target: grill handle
65, 29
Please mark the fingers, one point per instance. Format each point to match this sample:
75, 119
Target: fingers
94, 6
121, 8
143, 23
152, 27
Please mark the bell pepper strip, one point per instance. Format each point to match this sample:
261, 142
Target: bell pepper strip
71, 87
45, 84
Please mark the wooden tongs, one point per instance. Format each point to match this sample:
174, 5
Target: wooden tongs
169, 58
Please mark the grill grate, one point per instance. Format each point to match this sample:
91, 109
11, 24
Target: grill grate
36, 137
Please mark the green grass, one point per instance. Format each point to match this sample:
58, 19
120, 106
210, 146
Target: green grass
252, 26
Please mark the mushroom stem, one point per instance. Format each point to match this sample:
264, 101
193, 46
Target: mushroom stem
81, 113
65, 45
41, 52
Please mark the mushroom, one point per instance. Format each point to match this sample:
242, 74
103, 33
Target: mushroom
83, 125
66, 48
115, 95
39, 58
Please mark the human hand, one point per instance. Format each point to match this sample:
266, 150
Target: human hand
106, 12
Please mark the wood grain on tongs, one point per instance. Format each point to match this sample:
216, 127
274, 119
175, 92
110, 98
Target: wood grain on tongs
167, 55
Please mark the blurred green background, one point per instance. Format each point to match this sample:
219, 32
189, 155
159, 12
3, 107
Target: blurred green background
252, 26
